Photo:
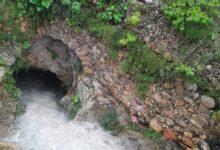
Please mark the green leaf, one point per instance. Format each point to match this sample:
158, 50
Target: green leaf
33, 1
46, 3
76, 7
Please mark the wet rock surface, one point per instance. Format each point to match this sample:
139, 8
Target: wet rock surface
49, 54
9, 146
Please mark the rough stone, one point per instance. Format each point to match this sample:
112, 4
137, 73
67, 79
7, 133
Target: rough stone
189, 101
203, 145
192, 87
188, 134
65, 102
9, 146
1, 105
209, 67
155, 125
170, 135
187, 141
52, 55
209, 102
2, 73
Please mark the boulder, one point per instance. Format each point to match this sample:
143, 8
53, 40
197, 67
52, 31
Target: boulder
170, 135
207, 101
154, 124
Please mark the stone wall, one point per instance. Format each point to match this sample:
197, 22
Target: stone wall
176, 110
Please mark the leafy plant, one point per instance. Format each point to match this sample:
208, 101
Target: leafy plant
151, 134
216, 116
109, 121
76, 104
2, 61
112, 10
191, 17
127, 39
134, 19
185, 70
9, 85
147, 132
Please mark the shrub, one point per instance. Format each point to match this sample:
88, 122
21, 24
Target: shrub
192, 17
2, 61
9, 85
109, 121
134, 19
151, 134
185, 70
143, 64
112, 10
76, 104
216, 116
217, 56
129, 38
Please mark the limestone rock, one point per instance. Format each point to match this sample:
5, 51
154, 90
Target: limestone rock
52, 55
192, 87
170, 135
207, 101
9, 146
155, 125
65, 102
2, 72
203, 145
187, 141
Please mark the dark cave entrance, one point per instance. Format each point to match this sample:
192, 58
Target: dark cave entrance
33, 78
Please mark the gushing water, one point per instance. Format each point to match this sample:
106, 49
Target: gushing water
45, 127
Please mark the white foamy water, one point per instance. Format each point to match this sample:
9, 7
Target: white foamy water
45, 127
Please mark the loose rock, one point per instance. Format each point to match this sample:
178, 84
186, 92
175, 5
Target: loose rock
155, 125
208, 101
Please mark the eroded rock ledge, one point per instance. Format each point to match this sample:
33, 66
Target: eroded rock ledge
175, 109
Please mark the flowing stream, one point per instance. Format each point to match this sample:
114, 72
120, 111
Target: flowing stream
44, 126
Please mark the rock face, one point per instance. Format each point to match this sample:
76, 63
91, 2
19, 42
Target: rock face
9, 146
170, 107
49, 54
8, 106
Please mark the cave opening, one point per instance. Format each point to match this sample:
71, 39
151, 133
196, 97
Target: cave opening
34, 79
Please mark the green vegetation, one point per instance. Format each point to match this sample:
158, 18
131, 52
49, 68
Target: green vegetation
109, 121
134, 19
185, 70
76, 104
147, 132
9, 85
40, 10
216, 116
2, 61
77, 66
216, 92
151, 134
195, 19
